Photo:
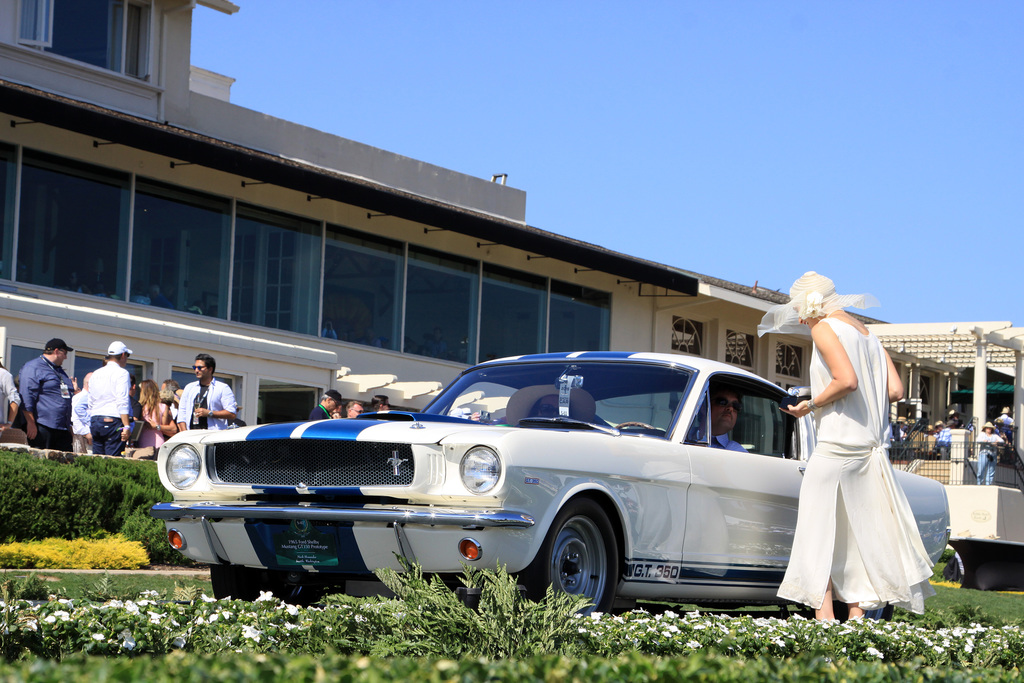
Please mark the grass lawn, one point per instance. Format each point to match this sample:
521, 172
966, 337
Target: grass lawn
123, 586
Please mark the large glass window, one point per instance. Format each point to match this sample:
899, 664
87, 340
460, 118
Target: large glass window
440, 307
276, 271
8, 178
513, 313
179, 249
580, 318
362, 289
73, 227
111, 34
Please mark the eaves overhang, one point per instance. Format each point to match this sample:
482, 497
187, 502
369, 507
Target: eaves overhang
184, 145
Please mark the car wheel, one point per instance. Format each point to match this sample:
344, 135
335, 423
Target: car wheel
579, 556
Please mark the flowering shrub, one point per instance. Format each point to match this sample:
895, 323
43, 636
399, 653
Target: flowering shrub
114, 552
59, 628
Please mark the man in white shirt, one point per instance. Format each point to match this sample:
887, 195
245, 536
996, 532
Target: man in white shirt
725, 409
109, 403
206, 403
81, 425
10, 399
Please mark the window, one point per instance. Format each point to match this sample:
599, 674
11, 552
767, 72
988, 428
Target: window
362, 289
440, 307
111, 34
580, 318
36, 22
276, 271
760, 426
512, 313
8, 179
739, 348
180, 244
687, 336
73, 227
789, 360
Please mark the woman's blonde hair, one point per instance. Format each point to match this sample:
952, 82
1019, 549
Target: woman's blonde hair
149, 396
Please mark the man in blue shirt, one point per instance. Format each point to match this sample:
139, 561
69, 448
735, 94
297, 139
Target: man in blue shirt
943, 439
46, 392
330, 402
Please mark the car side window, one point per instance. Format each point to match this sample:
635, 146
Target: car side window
761, 427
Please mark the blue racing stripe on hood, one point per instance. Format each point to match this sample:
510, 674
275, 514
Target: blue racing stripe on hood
338, 429
277, 430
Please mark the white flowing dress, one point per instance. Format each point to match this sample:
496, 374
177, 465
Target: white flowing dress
854, 523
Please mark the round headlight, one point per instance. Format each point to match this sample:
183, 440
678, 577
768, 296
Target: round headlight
480, 469
183, 466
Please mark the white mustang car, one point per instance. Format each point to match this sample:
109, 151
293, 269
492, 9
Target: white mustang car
591, 471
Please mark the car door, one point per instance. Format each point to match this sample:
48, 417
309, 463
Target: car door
741, 506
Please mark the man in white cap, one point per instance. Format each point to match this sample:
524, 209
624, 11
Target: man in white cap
109, 403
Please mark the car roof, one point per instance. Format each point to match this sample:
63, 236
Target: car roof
703, 366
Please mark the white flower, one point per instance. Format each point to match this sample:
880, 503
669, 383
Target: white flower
875, 653
813, 306
179, 642
98, 636
127, 641
693, 645
251, 632
206, 598
265, 596
50, 619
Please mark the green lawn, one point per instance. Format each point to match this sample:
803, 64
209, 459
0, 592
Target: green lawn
122, 586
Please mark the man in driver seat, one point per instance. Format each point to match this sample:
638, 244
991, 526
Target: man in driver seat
725, 409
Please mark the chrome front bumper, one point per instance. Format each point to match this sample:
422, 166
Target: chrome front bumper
428, 516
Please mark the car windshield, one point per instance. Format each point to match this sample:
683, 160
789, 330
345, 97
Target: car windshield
631, 396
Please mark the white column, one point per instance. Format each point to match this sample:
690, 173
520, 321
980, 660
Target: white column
1018, 393
980, 407
914, 389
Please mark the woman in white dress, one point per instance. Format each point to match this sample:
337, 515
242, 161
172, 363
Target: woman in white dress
856, 540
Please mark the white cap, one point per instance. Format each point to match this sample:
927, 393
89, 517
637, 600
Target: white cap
117, 348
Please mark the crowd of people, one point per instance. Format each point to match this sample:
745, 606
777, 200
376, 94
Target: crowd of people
110, 411
333, 406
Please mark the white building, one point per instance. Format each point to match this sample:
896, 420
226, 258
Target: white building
139, 204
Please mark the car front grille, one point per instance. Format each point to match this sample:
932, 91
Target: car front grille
313, 462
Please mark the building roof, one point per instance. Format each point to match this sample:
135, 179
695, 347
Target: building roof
954, 344
260, 166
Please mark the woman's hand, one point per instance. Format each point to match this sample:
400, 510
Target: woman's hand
799, 410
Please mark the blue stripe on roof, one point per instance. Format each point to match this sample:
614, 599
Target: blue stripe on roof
578, 355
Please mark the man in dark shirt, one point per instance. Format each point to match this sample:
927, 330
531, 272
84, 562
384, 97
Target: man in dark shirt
46, 392
330, 402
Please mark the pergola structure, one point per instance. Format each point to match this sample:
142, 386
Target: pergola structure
979, 345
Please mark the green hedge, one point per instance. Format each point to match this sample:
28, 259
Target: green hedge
90, 497
626, 669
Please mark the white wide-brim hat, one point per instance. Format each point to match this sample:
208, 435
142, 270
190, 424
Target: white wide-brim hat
812, 296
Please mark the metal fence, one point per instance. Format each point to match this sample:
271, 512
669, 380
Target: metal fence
958, 463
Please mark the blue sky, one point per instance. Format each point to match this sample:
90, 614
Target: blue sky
879, 143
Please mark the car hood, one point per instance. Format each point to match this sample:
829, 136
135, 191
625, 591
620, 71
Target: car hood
411, 428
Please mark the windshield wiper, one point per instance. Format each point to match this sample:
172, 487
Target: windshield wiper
559, 422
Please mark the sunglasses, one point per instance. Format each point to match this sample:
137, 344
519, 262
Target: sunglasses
724, 403
198, 367
546, 409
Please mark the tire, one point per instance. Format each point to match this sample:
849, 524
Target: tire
234, 581
246, 583
579, 555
